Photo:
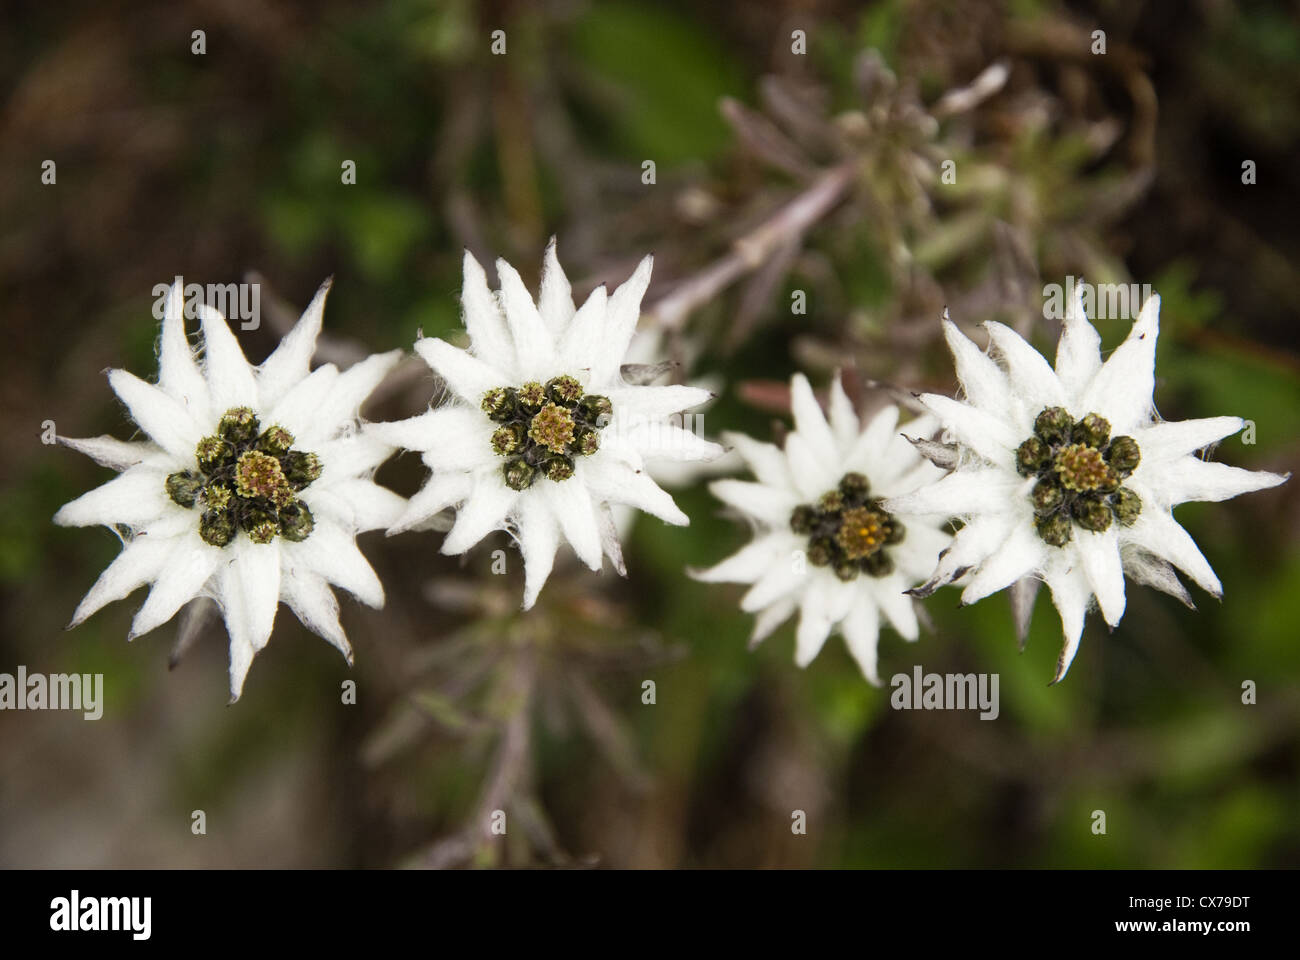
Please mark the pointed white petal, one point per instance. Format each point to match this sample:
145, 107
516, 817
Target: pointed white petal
861, 630
534, 345
665, 441
1144, 568
991, 438
441, 491
899, 609
330, 553
140, 562
1029, 372
749, 563
982, 381
1078, 353
296, 410
1099, 557
1192, 479
813, 474
314, 603
290, 362
351, 455
230, 379
538, 537
655, 402
779, 581
570, 502
965, 492
621, 318
614, 482
581, 343
481, 313
766, 460
971, 546
1162, 442
811, 423
814, 622
844, 419
342, 404
609, 538
1122, 390
189, 565
555, 298
466, 376
868, 453
1157, 532
110, 452
357, 504
484, 511
1022, 553
1071, 595
134, 498
771, 505
241, 658
256, 574
768, 619
178, 372
168, 423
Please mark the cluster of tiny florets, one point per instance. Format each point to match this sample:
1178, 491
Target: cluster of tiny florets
848, 530
544, 427
1080, 469
247, 479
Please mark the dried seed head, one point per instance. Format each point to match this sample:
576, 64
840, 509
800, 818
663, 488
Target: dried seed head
301, 468
855, 486
1093, 430
1047, 497
296, 521
1127, 506
499, 403
595, 409
275, 440
1054, 425
802, 519
518, 475
559, 469
831, 502
586, 441
211, 454
861, 533
1091, 514
552, 428
507, 439
1055, 529
532, 395
1124, 455
258, 475
238, 425
1082, 468
564, 389
1032, 456
216, 527
184, 487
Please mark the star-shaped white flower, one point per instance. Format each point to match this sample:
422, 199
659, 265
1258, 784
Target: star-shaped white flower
541, 433
1067, 476
250, 488
824, 545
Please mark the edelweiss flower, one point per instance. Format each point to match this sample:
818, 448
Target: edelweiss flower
825, 543
1068, 476
250, 489
542, 432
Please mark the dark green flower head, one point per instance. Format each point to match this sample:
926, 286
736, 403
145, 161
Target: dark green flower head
247, 479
